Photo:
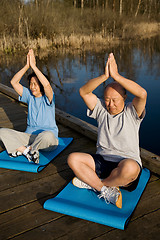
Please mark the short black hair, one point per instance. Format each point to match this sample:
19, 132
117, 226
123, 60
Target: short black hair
40, 84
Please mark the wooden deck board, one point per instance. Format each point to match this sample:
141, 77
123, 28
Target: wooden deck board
37, 218
58, 165
23, 194
142, 228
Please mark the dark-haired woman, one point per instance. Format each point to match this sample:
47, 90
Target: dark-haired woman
42, 131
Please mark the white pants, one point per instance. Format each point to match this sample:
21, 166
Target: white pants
13, 139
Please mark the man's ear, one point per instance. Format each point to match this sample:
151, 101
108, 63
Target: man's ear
125, 97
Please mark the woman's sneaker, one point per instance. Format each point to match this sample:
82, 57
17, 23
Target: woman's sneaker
33, 156
80, 184
111, 195
15, 154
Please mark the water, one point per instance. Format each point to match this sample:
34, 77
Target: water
139, 62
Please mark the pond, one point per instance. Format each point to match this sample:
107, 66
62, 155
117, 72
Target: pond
69, 71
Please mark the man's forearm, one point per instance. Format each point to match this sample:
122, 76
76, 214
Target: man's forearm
92, 84
130, 86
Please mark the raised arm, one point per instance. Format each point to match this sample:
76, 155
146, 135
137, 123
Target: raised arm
17, 77
85, 91
44, 81
140, 93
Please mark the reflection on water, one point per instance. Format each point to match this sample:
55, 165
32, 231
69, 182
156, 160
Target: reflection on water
68, 72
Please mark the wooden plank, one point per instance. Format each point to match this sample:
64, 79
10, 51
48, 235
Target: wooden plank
35, 219
62, 228
77, 124
150, 161
25, 218
146, 228
26, 193
72, 228
10, 179
140, 229
8, 91
29, 181
3, 170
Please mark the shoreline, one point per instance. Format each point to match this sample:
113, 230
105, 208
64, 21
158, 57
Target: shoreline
136, 32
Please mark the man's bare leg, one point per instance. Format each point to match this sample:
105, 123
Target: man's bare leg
83, 166
126, 172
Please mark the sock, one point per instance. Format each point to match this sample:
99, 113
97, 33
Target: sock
26, 151
19, 153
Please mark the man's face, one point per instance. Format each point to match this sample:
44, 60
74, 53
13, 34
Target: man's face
114, 100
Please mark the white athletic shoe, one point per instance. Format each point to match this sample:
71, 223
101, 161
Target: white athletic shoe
15, 154
112, 195
33, 156
80, 184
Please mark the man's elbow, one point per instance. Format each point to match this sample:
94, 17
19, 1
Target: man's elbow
144, 94
81, 92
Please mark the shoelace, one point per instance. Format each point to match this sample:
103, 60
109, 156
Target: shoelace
108, 193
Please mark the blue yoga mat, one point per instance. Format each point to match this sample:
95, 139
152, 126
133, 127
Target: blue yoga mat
22, 164
85, 204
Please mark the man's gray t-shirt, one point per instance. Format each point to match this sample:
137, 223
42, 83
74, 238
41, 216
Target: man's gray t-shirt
118, 135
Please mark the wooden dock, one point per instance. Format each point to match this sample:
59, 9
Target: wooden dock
22, 194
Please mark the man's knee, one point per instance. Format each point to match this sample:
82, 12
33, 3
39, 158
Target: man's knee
72, 159
77, 160
130, 169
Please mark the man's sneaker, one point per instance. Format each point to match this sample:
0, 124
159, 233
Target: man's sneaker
15, 154
112, 195
80, 184
33, 156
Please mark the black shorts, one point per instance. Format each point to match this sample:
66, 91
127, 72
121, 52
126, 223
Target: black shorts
104, 168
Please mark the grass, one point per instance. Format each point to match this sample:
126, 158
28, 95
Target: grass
80, 41
50, 25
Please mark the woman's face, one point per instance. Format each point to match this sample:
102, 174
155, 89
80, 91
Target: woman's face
34, 87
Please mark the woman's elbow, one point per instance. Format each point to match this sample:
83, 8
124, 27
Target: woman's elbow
12, 82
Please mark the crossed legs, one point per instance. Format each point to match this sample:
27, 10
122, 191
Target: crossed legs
83, 166
17, 141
